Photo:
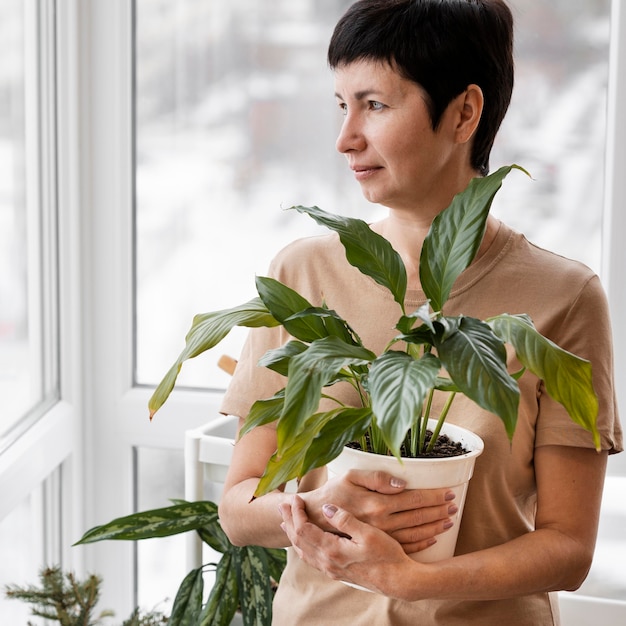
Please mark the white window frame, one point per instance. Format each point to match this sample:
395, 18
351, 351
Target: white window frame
614, 225
50, 440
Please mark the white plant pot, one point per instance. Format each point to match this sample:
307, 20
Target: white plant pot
452, 472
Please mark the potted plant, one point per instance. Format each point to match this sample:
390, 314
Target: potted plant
245, 577
432, 353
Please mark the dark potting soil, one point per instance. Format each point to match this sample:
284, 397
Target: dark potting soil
444, 447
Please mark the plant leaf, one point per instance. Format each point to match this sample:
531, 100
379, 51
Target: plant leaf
163, 522
475, 359
314, 446
309, 373
345, 425
206, 331
188, 602
223, 599
333, 322
406, 322
567, 378
263, 412
286, 464
398, 385
366, 250
215, 537
276, 561
284, 303
255, 593
278, 359
455, 236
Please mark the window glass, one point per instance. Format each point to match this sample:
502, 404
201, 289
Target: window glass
236, 121
26, 313
556, 125
161, 564
22, 556
607, 577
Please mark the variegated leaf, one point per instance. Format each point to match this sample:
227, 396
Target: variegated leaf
188, 602
163, 522
223, 599
255, 593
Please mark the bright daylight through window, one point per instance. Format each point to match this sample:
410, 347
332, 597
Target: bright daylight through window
27, 260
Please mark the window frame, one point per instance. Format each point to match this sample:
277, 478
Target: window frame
614, 220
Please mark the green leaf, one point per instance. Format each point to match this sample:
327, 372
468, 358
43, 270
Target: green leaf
345, 425
280, 469
284, 302
333, 322
406, 322
455, 236
163, 522
223, 599
188, 601
255, 593
264, 412
315, 444
286, 463
207, 331
276, 561
398, 385
567, 378
475, 359
309, 373
215, 537
366, 250
278, 359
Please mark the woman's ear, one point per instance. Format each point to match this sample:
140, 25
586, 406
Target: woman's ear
469, 105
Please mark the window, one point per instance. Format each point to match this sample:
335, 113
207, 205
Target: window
236, 121
28, 269
35, 427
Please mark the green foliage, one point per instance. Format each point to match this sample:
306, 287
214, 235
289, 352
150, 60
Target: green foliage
244, 577
396, 387
62, 598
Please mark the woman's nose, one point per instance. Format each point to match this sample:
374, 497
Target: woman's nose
350, 136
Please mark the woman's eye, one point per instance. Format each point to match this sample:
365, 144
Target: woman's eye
343, 107
376, 106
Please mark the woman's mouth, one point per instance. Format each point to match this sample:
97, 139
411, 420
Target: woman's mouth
363, 173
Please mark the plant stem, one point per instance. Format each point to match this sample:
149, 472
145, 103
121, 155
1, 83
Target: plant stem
440, 421
423, 426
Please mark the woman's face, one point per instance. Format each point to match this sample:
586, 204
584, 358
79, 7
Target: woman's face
387, 137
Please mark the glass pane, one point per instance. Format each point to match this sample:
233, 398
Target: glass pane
25, 364
556, 126
21, 547
160, 562
607, 577
236, 120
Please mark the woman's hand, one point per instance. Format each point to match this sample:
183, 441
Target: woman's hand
353, 551
412, 517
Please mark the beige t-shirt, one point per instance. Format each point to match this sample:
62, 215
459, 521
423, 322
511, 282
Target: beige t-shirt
567, 304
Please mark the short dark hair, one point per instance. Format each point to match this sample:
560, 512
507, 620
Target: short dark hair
442, 45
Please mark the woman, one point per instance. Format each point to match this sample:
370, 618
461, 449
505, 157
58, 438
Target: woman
424, 86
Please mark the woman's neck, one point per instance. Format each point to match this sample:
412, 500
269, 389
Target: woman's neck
407, 238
